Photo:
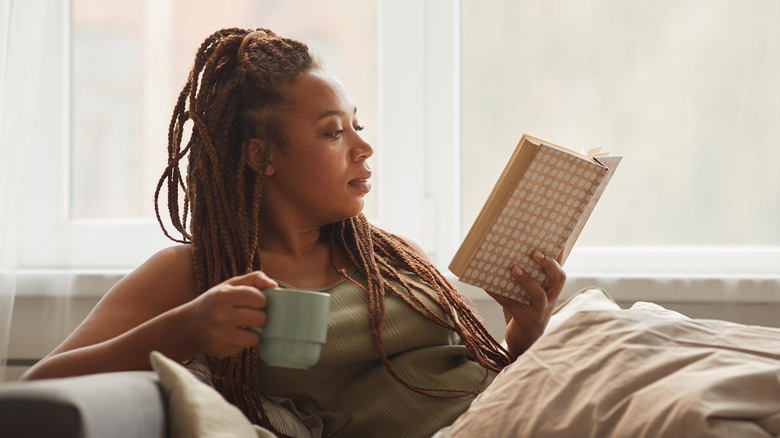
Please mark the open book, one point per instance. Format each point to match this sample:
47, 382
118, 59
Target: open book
541, 201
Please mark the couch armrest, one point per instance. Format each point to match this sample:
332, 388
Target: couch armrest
121, 404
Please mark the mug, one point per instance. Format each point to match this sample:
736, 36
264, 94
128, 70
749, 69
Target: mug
296, 329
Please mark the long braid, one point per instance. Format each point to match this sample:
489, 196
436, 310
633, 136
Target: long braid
233, 93
389, 254
226, 89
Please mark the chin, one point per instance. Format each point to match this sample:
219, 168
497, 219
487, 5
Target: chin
345, 210
352, 213
357, 207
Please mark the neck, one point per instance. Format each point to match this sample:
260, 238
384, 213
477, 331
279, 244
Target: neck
295, 241
304, 260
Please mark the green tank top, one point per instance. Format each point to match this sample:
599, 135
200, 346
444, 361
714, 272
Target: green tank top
351, 388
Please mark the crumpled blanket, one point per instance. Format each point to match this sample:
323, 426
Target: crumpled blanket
644, 372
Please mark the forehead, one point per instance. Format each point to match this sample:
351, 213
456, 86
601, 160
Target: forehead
316, 92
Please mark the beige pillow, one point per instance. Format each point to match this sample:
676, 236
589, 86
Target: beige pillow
590, 298
198, 410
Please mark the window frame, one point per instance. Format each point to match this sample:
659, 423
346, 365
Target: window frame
52, 239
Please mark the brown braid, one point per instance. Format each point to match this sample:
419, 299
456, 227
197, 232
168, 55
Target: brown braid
234, 93
379, 256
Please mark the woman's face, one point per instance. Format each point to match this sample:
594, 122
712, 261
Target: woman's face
320, 175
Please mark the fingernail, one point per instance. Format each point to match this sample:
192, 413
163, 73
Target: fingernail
517, 271
538, 255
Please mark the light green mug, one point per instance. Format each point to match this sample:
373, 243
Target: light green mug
297, 327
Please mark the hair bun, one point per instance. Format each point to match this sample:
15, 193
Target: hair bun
259, 33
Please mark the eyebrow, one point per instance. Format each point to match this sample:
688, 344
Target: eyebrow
334, 112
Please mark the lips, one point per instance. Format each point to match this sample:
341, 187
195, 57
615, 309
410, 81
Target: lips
361, 183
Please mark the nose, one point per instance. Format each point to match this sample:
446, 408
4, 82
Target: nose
361, 149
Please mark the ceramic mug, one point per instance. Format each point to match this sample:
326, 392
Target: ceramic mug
296, 328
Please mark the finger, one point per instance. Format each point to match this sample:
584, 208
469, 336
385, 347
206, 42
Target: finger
559, 259
243, 296
551, 268
505, 302
263, 281
246, 317
555, 276
257, 279
532, 288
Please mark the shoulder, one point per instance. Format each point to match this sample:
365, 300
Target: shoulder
178, 256
166, 280
174, 260
402, 240
414, 245
168, 273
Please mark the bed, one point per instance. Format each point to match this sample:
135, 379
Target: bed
600, 371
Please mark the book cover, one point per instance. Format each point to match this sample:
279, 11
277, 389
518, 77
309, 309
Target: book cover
541, 201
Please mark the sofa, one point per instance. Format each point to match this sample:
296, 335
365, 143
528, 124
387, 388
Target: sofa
121, 404
171, 401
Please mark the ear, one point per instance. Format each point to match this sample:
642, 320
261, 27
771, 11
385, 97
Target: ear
258, 151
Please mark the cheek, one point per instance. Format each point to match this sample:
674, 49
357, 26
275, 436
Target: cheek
327, 169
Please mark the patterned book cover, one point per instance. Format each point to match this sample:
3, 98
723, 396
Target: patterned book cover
544, 207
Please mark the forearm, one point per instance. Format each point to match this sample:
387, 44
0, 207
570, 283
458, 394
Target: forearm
125, 352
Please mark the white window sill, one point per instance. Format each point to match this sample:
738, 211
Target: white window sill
731, 288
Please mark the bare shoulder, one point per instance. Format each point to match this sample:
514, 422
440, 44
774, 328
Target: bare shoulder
166, 280
171, 267
414, 245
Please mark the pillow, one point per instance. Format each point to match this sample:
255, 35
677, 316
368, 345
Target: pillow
198, 410
657, 310
590, 298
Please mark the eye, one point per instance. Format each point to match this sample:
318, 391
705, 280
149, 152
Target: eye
336, 134
358, 127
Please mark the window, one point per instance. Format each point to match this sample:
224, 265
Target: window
130, 59
686, 91
109, 95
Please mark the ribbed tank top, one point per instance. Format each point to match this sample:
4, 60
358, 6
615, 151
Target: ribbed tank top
350, 387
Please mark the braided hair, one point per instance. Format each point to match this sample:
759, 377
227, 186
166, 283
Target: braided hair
233, 93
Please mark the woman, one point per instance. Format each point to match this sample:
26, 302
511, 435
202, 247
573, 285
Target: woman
274, 188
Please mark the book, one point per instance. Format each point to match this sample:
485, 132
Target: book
541, 202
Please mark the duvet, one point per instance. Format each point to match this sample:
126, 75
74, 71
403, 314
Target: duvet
642, 372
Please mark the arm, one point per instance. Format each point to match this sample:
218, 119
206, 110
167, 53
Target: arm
526, 323
156, 307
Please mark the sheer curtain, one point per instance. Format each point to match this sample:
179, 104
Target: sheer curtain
22, 38
57, 258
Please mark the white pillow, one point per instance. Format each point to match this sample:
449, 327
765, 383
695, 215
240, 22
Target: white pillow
657, 310
591, 298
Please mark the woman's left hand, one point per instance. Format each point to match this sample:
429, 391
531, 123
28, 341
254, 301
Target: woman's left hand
525, 323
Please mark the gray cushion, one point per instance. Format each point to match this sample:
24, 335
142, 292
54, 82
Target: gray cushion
123, 404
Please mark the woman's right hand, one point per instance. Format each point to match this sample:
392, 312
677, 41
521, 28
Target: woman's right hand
218, 319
